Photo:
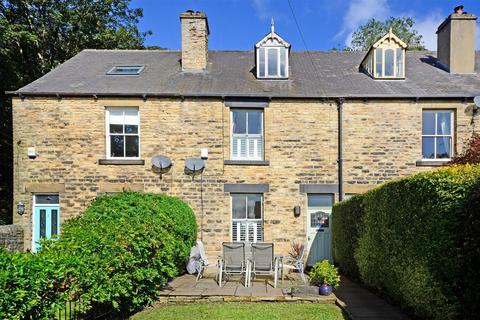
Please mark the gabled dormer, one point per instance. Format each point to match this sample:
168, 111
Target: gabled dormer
386, 58
271, 55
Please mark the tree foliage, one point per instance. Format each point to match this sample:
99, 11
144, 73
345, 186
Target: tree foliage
366, 35
37, 35
471, 154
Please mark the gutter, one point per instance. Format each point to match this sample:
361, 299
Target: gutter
232, 95
340, 102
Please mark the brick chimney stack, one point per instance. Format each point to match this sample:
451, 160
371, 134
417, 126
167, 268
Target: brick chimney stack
194, 40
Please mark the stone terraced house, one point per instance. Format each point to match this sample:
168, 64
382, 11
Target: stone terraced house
283, 134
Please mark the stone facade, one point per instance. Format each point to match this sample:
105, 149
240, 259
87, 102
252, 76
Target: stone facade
382, 141
11, 237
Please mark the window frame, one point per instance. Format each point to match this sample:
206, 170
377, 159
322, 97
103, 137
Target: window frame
108, 134
266, 63
113, 71
246, 220
435, 135
262, 134
395, 63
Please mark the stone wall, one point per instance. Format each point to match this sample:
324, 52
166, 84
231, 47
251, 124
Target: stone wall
382, 141
11, 237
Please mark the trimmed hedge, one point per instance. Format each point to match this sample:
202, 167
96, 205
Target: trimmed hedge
417, 241
114, 257
345, 232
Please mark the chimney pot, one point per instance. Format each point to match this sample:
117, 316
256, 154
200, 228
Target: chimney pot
458, 9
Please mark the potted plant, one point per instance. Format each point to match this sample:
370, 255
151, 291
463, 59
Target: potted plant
325, 276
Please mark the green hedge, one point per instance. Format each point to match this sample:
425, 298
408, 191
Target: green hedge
114, 257
417, 241
346, 222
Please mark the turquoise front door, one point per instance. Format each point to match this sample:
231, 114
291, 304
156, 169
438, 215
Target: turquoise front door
319, 228
46, 222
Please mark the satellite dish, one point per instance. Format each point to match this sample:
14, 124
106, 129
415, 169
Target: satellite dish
194, 166
476, 100
161, 164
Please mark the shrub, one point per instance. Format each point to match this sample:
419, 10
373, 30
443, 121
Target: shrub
418, 241
346, 223
324, 273
117, 255
471, 155
30, 286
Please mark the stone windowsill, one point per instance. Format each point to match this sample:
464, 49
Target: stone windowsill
120, 162
247, 162
430, 163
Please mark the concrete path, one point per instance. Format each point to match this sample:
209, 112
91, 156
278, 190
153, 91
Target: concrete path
361, 304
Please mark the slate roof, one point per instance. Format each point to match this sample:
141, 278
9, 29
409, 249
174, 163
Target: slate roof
231, 73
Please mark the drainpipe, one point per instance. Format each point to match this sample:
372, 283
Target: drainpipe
340, 102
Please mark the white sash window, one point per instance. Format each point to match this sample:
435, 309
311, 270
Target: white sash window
247, 217
247, 135
122, 133
437, 134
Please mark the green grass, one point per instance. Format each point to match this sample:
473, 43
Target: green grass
260, 310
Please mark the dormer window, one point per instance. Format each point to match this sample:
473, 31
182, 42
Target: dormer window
272, 56
386, 58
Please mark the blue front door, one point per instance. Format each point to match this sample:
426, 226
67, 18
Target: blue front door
46, 223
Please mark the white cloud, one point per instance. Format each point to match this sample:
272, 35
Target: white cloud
359, 12
427, 27
262, 9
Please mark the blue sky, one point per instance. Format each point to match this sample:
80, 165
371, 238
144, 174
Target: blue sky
239, 24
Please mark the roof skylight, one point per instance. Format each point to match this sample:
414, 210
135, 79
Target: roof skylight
126, 70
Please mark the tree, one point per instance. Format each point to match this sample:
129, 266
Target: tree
36, 36
471, 154
369, 33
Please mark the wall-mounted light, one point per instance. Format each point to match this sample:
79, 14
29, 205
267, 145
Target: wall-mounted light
20, 208
296, 211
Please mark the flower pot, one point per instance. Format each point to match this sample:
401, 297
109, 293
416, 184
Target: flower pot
325, 290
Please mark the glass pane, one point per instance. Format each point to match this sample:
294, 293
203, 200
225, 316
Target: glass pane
320, 201
443, 147
389, 62
254, 209
399, 62
116, 128
428, 122
54, 222
116, 146
378, 61
46, 198
43, 223
255, 122
239, 210
239, 122
116, 116
444, 123
319, 219
283, 62
261, 62
131, 116
131, 146
272, 62
130, 128
428, 148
